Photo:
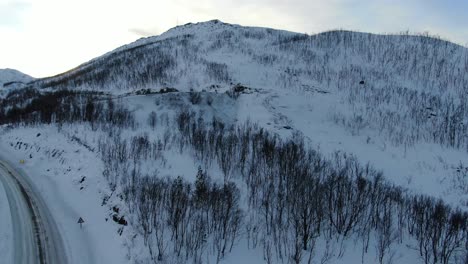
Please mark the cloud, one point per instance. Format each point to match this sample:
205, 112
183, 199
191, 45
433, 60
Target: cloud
11, 12
144, 32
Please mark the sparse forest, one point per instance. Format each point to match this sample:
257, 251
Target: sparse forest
294, 197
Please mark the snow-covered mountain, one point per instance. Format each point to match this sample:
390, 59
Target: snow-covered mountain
194, 56
11, 77
261, 97
400, 91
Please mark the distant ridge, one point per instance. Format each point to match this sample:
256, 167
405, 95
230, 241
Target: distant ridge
11, 77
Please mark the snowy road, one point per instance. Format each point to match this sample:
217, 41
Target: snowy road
35, 236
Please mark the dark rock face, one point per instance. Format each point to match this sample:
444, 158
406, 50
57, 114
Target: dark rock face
119, 220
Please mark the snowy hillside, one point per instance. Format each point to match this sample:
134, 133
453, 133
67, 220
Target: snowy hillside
218, 143
199, 55
10, 77
401, 95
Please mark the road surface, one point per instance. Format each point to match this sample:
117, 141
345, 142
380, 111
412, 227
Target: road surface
35, 234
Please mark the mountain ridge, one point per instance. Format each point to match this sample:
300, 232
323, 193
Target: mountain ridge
214, 28
10, 77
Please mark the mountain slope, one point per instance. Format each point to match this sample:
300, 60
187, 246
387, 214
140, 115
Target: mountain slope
10, 77
401, 92
196, 55
382, 118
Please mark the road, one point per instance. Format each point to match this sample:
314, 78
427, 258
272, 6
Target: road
35, 234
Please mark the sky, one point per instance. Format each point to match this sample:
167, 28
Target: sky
46, 37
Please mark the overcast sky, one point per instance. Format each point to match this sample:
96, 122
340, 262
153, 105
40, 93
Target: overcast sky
46, 37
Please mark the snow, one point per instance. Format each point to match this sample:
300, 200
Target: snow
58, 175
56, 167
425, 168
11, 75
59, 163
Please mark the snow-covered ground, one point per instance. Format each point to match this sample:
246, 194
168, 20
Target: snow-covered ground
64, 164
423, 168
56, 166
10, 75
